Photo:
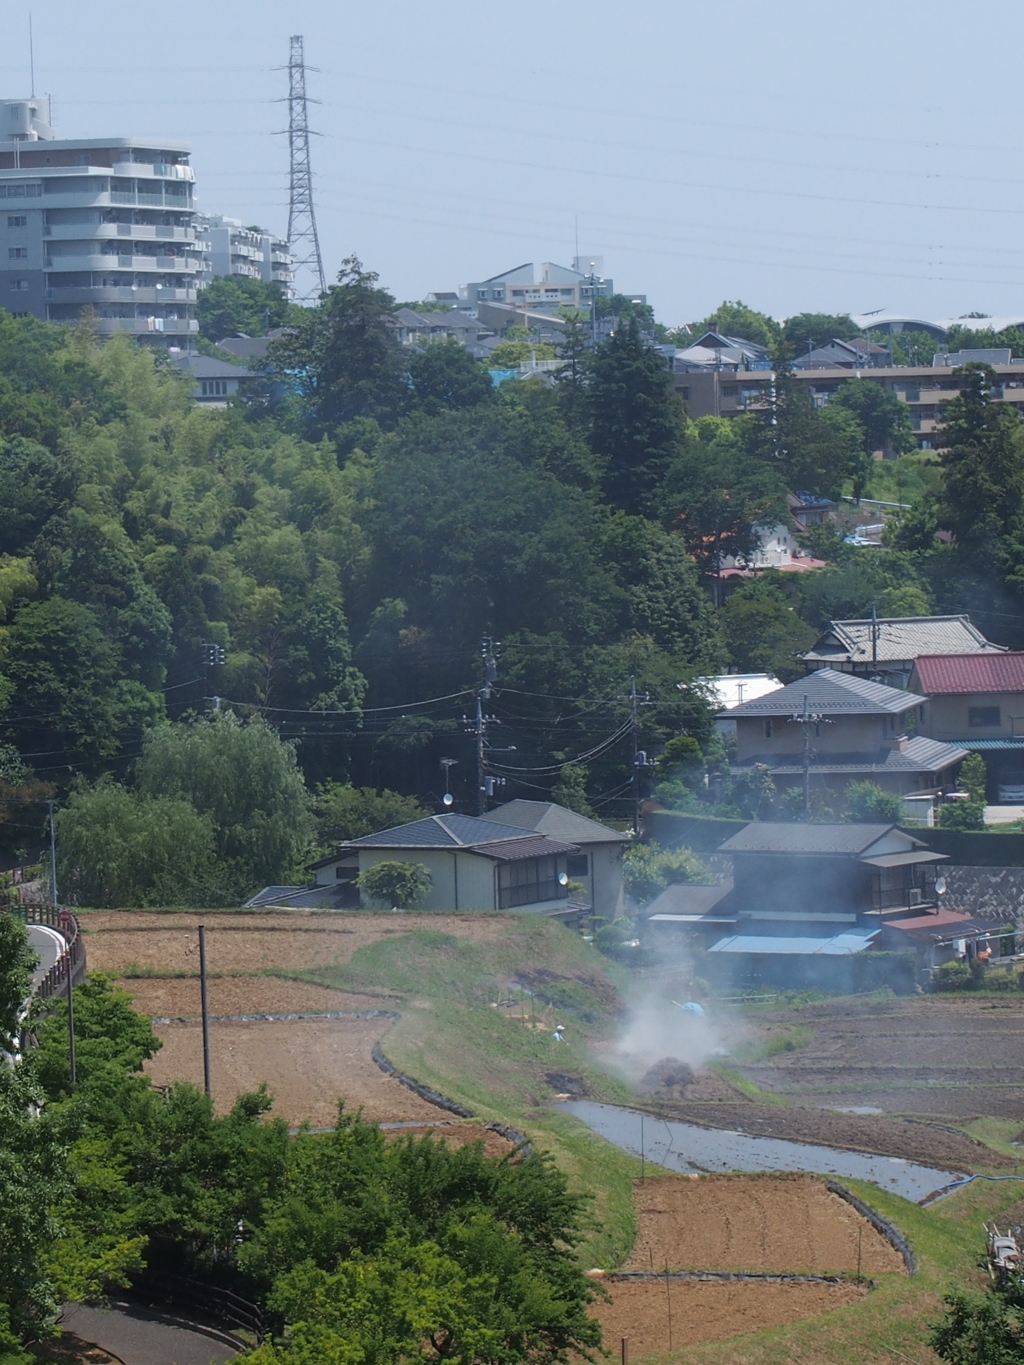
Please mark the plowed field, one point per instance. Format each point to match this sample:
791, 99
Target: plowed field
702, 1310
769, 1225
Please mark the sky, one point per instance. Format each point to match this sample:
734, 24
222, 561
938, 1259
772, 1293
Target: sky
797, 156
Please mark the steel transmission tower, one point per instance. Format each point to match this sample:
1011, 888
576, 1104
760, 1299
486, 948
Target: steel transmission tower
303, 242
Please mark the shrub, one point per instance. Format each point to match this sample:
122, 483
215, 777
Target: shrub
869, 804
973, 777
963, 815
648, 869
952, 976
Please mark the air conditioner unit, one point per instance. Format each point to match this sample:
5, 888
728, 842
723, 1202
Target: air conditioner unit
916, 896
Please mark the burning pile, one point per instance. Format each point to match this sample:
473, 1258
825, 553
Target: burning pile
667, 1079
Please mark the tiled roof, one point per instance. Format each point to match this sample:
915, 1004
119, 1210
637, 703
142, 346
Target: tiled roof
770, 836
532, 846
557, 822
830, 693
439, 831
920, 756
945, 674
898, 638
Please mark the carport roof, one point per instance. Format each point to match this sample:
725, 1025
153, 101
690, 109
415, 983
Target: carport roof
838, 945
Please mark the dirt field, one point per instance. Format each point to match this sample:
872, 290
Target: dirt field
702, 1310
162, 997
117, 940
770, 1225
307, 1065
945, 1056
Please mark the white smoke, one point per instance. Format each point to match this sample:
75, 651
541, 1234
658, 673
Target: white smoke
658, 1028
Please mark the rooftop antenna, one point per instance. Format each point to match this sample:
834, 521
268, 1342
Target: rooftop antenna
303, 242
31, 56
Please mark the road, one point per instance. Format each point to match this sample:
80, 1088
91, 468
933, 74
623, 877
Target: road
49, 944
143, 1336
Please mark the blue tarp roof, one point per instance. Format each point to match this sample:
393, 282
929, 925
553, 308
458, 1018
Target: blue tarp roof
838, 945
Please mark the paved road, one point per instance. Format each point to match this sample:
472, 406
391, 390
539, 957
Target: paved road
49, 944
144, 1336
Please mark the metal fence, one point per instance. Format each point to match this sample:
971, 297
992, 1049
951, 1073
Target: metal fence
55, 917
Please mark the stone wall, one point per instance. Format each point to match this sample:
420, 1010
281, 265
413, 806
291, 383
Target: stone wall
985, 892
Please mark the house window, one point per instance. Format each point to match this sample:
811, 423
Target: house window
529, 881
578, 865
17, 220
983, 717
214, 388
769, 729
19, 285
17, 253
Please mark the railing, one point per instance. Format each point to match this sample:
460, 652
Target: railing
55, 917
531, 893
220, 1304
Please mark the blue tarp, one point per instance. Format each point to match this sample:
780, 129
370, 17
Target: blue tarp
839, 945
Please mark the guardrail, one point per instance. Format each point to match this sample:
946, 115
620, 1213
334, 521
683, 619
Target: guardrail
55, 917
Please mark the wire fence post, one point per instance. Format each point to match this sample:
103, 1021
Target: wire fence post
205, 1010
71, 1025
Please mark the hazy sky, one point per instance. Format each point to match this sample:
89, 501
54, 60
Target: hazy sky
798, 156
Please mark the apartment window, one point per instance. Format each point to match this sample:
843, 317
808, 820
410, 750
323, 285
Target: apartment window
578, 865
769, 729
983, 717
214, 388
17, 220
17, 253
20, 191
19, 285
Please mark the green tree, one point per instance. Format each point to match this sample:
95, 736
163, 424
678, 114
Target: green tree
342, 812
963, 815
510, 354
985, 1330
735, 319
807, 331
245, 781
115, 849
570, 790
647, 869
396, 884
112, 1040
637, 420
764, 633
625, 309
343, 359
717, 497
884, 419
444, 376
973, 778
571, 379
983, 465
869, 804
230, 305
753, 790
17, 961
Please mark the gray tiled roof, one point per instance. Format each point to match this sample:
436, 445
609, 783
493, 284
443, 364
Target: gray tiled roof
775, 837
919, 756
557, 822
899, 638
828, 692
439, 831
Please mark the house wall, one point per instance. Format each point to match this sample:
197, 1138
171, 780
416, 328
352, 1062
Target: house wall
948, 717
460, 880
843, 735
788, 886
604, 885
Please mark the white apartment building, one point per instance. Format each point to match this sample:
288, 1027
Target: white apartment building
98, 223
245, 252
546, 290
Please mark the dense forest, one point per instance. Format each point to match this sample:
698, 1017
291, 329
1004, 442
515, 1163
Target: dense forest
327, 554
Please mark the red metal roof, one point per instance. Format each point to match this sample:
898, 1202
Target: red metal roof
966, 673
936, 919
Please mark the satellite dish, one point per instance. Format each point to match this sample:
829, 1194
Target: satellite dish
563, 879
940, 886
448, 799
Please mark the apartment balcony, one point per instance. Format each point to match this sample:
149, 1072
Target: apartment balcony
152, 170
151, 198
118, 293
147, 326
185, 265
90, 232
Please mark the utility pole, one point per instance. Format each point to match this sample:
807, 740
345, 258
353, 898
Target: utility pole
53, 857
214, 656
874, 634
806, 718
303, 241
640, 763
70, 967
205, 1011
478, 726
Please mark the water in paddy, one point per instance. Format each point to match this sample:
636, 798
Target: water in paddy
688, 1148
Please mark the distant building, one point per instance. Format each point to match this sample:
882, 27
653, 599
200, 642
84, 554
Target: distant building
887, 646
240, 252
414, 329
216, 381
542, 291
104, 224
860, 354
